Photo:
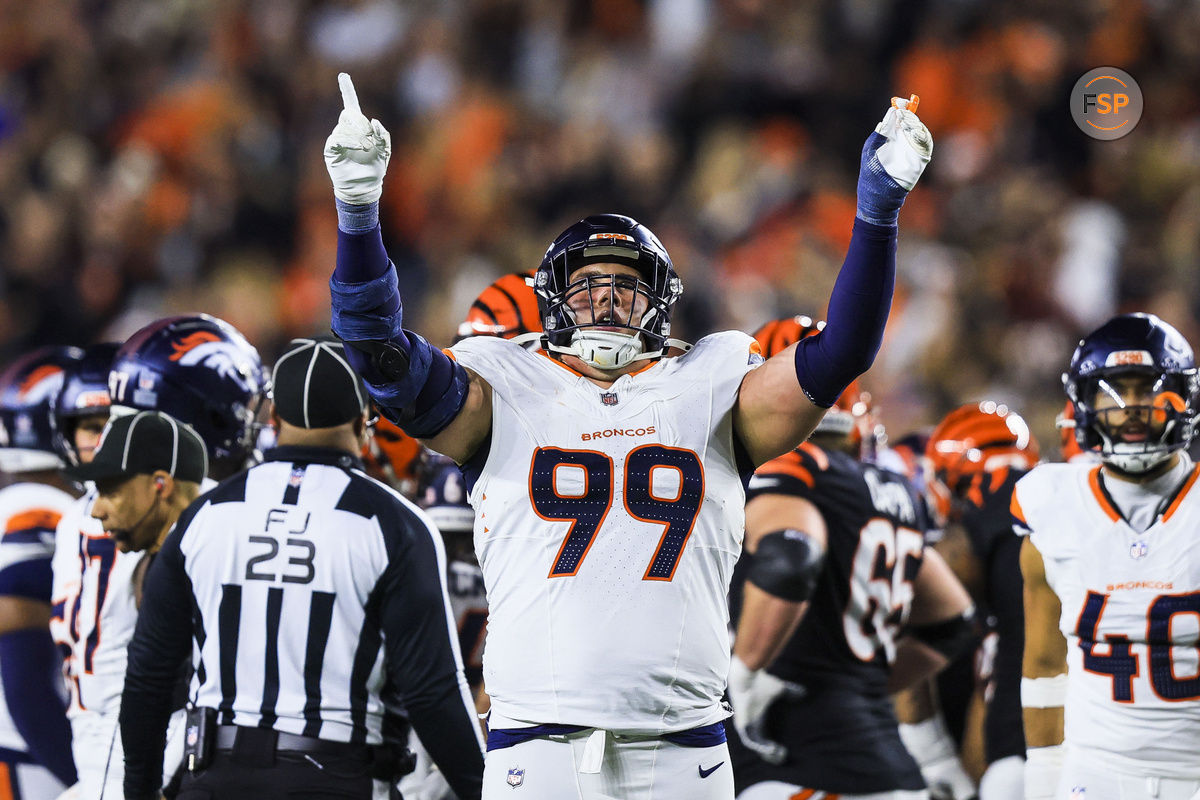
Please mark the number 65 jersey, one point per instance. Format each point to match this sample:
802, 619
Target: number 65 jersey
607, 525
1130, 614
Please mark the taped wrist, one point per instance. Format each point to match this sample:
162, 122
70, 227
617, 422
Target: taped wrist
1044, 692
357, 218
949, 637
858, 310
787, 564
879, 194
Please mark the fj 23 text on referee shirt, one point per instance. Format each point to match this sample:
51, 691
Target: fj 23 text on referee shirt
339, 608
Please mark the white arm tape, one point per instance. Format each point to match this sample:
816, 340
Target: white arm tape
1044, 692
1043, 767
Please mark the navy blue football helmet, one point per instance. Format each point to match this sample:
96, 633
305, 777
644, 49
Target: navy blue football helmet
27, 391
442, 494
201, 371
1134, 343
606, 238
84, 393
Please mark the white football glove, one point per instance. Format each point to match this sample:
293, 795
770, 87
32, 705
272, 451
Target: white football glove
930, 744
909, 143
751, 692
71, 793
357, 152
893, 158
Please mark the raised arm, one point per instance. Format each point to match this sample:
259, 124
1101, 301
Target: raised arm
415, 384
783, 400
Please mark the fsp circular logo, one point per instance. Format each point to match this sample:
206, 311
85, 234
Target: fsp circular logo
1106, 103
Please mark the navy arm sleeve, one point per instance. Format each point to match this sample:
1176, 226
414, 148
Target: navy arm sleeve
161, 641
29, 663
415, 384
858, 311
419, 655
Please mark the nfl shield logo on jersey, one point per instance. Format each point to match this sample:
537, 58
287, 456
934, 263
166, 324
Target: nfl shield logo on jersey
609, 398
1138, 550
1078, 792
516, 777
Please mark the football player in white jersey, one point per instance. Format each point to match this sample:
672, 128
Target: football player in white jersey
1111, 692
607, 476
199, 370
35, 754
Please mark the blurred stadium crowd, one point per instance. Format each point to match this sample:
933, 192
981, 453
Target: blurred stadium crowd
165, 157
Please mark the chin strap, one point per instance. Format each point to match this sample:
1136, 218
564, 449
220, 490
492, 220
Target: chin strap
612, 349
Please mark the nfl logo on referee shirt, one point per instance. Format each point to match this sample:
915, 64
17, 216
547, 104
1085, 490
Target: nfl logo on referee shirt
515, 777
609, 398
296, 478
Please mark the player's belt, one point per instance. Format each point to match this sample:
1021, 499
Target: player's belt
703, 736
231, 736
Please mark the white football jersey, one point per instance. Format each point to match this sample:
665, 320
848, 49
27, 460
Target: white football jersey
608, 522
1130, 614
95, 610
28, 514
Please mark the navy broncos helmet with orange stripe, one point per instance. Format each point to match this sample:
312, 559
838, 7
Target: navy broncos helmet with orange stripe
508, 307
1142, 344
84, 393
27, 390
853, 414
200, 370
607, 239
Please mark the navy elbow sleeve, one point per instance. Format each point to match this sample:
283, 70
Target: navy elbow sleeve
415, 384
858, 310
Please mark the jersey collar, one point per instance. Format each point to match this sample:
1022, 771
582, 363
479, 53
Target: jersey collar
314, 455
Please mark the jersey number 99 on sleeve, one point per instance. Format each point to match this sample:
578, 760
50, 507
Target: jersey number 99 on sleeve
586, 509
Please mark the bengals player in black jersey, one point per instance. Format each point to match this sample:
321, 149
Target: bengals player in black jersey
976, 455
841, 604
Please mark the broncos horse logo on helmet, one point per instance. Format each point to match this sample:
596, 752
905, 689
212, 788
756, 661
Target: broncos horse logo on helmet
200, 370
27, 391
600, 239
1127, 345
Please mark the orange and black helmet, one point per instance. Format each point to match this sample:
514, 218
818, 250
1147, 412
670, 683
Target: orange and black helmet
974, 439
392, 456
506, 308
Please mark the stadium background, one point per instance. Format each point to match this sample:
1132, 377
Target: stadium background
165, 157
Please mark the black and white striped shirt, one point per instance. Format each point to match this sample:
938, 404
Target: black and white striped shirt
311, 596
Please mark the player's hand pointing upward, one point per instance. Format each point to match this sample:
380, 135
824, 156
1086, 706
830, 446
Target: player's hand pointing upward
357, 152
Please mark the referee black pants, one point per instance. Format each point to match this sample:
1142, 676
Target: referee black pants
255, 770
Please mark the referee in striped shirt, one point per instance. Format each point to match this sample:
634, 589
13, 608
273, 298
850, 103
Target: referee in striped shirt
315, 600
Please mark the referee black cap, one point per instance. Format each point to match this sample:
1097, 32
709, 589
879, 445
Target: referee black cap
144, 443
315, 386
